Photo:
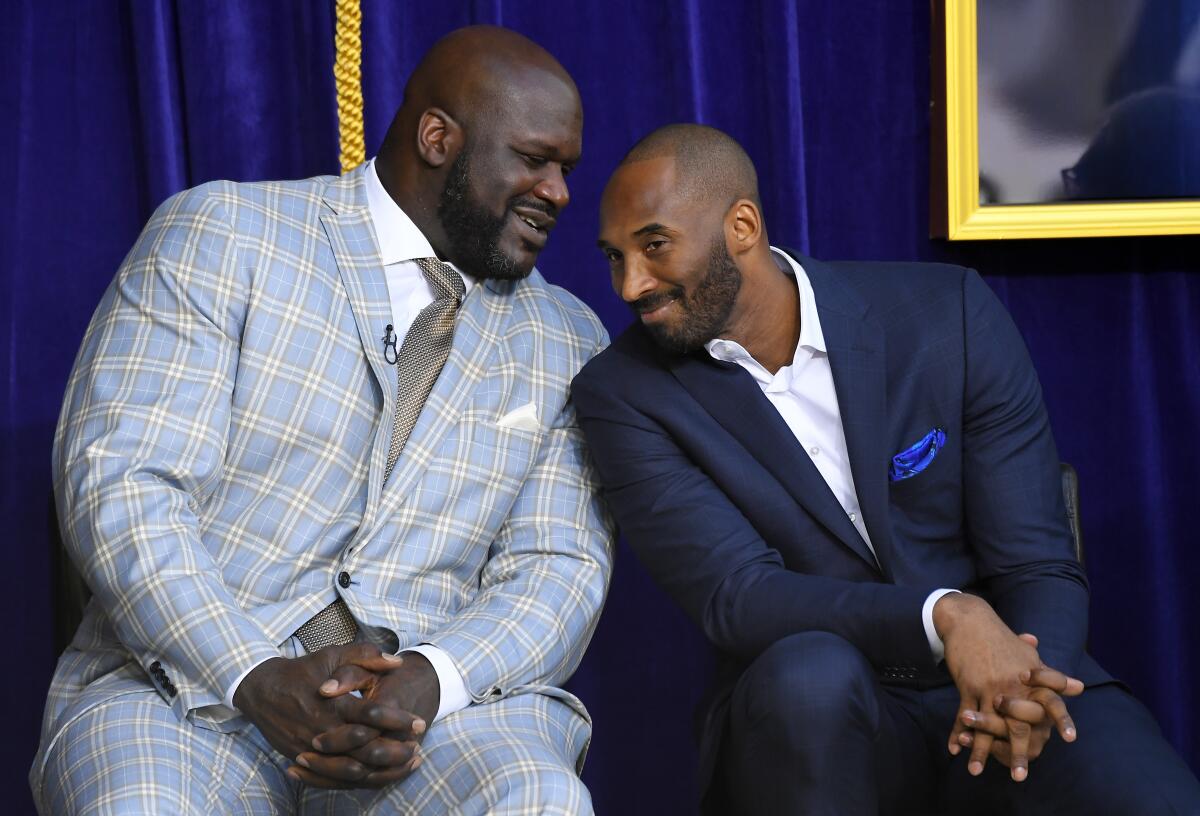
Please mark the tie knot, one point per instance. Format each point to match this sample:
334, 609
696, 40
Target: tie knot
445, 281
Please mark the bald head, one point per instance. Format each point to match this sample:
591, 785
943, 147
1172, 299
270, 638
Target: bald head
710, 167
682, 230
478, 153
477, 75
478, 72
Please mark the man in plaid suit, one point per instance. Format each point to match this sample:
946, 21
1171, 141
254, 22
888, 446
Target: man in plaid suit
232, 474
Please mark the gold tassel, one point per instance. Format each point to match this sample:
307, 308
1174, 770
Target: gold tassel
347, 72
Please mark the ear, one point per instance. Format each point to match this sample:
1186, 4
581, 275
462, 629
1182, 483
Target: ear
439, 137
743, 226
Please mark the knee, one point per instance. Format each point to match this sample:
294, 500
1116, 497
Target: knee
544, 790
81, 778
809, 685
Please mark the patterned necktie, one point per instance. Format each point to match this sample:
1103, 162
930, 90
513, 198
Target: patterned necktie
418, 364
424, 352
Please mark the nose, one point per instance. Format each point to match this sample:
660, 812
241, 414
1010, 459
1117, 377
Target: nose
553, 188
633, 281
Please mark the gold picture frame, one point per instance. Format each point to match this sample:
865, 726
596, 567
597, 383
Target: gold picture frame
956, 212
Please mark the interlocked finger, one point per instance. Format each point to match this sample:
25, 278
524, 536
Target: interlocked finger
1053, 679
376, 778
1027, 710
1019, 733
1056, 709
345, 679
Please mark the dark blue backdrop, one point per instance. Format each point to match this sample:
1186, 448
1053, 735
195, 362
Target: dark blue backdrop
110, 107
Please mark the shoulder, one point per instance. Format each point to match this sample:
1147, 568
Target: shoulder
240, 206
216, 228
891, 291
557, 312
631, 358
891, 283
926, 292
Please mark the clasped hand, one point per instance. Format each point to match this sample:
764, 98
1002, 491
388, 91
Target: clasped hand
1010, 702
304, 708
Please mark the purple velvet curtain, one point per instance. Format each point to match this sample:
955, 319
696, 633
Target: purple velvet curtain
109, 107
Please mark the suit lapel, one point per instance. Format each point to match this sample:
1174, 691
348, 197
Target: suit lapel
857, 356
731, 396
481, 324
347, 224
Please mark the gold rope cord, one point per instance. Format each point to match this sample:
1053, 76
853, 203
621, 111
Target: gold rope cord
347, 72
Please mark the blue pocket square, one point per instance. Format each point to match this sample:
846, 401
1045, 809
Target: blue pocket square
910, 462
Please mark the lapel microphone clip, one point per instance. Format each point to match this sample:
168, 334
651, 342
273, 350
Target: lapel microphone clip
389, 345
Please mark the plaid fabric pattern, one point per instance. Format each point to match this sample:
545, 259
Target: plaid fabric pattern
131, 755
219, 462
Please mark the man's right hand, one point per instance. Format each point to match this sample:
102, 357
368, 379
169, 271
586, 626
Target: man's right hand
281, 697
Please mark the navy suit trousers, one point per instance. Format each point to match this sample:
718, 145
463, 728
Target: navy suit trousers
813, 731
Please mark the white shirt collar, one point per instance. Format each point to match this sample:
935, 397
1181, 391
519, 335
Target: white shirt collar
811, 336
398, 237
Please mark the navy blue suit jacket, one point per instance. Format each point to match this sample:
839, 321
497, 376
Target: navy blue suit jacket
731, 517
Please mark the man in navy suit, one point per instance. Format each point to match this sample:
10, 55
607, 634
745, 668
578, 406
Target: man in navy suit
844, 473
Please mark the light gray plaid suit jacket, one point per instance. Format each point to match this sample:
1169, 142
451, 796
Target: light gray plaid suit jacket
220, 455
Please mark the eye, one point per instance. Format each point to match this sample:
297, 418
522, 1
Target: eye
655, 244
567, 169
612, 255
533, 161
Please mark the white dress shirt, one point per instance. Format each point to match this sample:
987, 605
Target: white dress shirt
400, 244
804, 396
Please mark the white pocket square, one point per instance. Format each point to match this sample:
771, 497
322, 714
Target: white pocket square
524, 418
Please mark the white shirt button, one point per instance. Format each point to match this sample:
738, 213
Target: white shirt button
853, 517
814, 450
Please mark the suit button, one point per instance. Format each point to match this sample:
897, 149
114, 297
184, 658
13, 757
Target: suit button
155, 666
344, 579
171, 689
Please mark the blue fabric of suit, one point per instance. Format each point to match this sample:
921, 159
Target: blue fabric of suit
730, 516
219, 466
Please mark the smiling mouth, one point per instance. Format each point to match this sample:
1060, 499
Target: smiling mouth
656, 313
534, 230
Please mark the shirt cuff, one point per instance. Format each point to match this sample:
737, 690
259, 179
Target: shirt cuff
234, 687
454, 695
935, 643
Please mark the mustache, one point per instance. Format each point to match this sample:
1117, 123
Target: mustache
652, 301
538, 204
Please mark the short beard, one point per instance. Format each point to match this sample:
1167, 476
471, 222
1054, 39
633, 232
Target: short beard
705, 312
473, 232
